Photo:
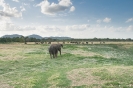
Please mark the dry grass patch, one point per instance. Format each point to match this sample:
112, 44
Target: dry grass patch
100, 76
83, 76
11, 52
128, 46
17, 51
5, 85
83, 53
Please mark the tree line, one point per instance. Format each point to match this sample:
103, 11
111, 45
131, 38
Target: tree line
23, 39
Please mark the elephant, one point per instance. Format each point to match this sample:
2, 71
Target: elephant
58, 46
53, 50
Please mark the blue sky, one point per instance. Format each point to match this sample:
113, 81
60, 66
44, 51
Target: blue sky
72, 18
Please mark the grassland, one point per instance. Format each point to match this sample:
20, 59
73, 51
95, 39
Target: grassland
79, 66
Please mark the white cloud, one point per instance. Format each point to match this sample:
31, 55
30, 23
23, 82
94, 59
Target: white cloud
65, 2
107, 20
43, 30
31, 0
9, 26
75, 31
8, 11
130, 28
119, 29
26, 4
99, 21
4, 19
129, 20
72, 9
50, 28
22, 8
2, 3
53, 8
4, 22
78, 27
15, 0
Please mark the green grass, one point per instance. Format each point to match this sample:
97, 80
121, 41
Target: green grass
30, 66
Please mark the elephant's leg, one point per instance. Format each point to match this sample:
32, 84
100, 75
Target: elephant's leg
53, 56
60, 52
50, 56
56, 54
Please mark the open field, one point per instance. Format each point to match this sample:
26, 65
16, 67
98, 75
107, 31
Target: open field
79, 66
94, 42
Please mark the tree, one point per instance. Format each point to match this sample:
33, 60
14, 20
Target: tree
3, 40
25, 39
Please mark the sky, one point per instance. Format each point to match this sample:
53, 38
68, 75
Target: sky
67, 18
